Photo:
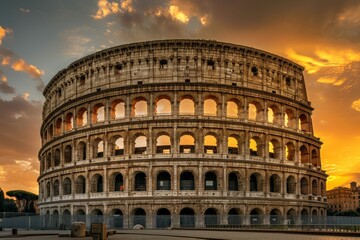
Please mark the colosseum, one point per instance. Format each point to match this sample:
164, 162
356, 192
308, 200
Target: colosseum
181, 133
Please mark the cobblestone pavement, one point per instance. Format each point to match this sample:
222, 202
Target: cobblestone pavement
177, 235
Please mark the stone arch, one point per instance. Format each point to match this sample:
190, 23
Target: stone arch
275, 183
116, 218
140, 181
81, 150
68, 154
163, 181
139, 217
211, 106
210, 180
56, 188
187, 143
275, 217
80, 216
67, 186
304, 186
139, 107
58, 126
234, 182
234, 216
314, 157
163, 143
314, 187
69, 121
116, 182
187, 218
289, 118
98, 113
187, 105
80, 185
211, 143
57, 160
48, 160
117, 145
163, 218
255, 110
304, 154
97, 183
98, 147
255, 146
274, 114
256, 182
233, 144
140, 144
162, 105
256, 216
187, 180
211, 217
290, 185
304, 123
274, 149
117, 109
290, 151
51, 131
97, 216
48, 189
233, 108
291, 216
81, 119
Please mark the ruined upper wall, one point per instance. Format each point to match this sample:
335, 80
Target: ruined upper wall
169, 61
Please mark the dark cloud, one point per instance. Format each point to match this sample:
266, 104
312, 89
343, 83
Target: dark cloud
5, 88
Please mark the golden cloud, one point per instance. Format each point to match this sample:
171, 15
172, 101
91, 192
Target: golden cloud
127, 6
175, 13
21, 66
3, 32
356, 105
106, 8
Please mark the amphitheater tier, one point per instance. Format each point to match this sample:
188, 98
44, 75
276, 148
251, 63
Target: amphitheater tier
180, 127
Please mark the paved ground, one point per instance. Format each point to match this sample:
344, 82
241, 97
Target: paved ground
177, 235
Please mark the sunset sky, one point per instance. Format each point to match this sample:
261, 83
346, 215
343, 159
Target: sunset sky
40, 37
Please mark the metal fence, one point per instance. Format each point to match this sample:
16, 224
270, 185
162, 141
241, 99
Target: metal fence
63, 222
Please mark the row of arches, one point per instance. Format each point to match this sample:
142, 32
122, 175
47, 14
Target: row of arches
188, 217
212, 143
254, 110
187, 181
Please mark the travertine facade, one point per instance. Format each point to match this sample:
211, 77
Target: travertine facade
226, 131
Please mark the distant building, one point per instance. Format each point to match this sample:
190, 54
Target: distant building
342, 199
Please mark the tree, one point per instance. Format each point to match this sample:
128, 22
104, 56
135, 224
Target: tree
28, 197
2, 201
10, 205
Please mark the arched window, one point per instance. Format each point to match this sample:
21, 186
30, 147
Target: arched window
80, 216
187, 144
117, 109
290, 185
48, 191
270, 115
99, 149
58, 127
304, 186
274, 115
97, 183
67, 186
187, 107
275, 183
211, 217
57, 157
252, 112
275, 217
139, 107
304, 154
56, 188
187, 181
256, 216
256, 182
80, 185
140, 217
118, 183
68, 154
233, 182
140, 145
290, 151
163, 218
163, 144
322, 189
289, 120
314, 186
97, 216
210, 107
232, 109
117, 218
234, 216
82, 117
233, 146
119, 146
254, 147
210, 144
304, 124
140, 181
210, 182
69, 122
314, 157
98, 114
163, 107
82, 151
291, 216
187, 218
163, 181
48, 160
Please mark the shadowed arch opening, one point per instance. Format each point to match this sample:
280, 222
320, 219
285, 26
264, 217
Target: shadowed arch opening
211, 217
187, 144
187, 218
163, 181
139, 217
234, 216
163, 218
187, 181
